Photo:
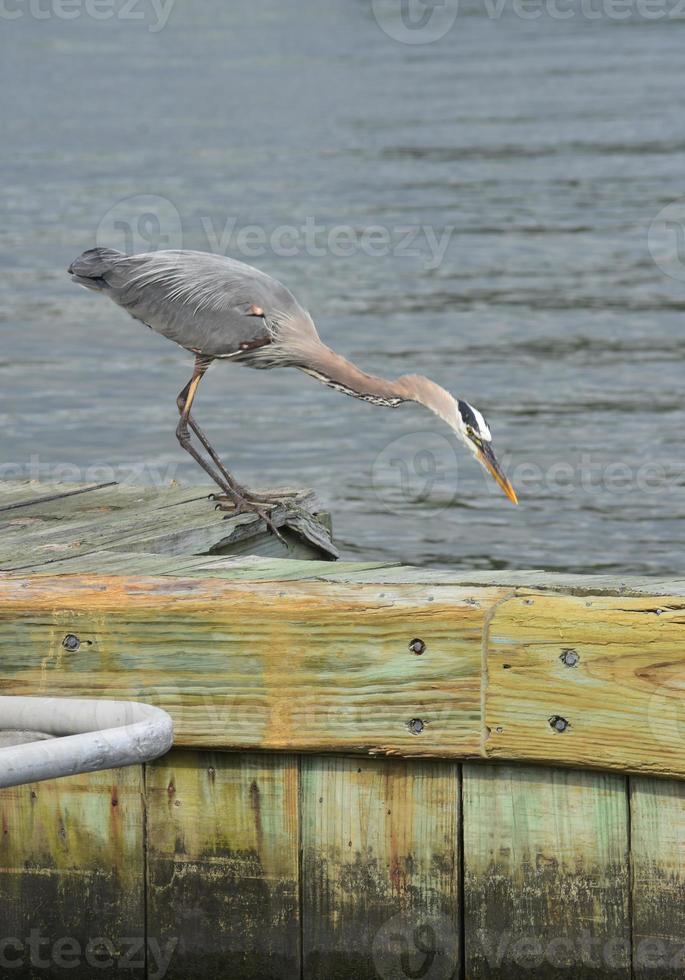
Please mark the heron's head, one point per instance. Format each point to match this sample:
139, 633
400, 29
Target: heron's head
475, 433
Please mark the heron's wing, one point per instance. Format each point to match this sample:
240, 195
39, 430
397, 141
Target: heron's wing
204, 302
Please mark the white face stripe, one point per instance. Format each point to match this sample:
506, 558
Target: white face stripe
483, 427
470, 416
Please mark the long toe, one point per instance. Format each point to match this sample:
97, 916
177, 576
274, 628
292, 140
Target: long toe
247, 505
222, 501
270, 524
284, 497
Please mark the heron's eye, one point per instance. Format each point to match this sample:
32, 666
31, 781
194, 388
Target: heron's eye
474, 436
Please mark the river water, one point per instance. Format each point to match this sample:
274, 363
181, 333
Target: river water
485, 207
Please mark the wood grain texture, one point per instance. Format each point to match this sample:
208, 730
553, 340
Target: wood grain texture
546, 880
622, 699
658, 862
288, 665
310, 665
510, 579
380, 869
72, 877
223, 854
52, 524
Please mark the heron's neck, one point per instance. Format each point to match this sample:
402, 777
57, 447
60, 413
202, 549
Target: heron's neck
337, 372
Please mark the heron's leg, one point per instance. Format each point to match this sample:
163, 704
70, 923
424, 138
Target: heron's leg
185, 399
192, 424
226, 484
246, 494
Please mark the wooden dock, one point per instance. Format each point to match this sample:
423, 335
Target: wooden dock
380, 771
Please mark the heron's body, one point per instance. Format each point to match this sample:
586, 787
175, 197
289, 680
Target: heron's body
199, 300
219, 308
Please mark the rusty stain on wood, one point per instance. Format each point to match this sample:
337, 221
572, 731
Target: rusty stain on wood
313, 665
380, 868
618, 708
71, 877
658, 861
287, 665
366, 658
223, 857
546, 877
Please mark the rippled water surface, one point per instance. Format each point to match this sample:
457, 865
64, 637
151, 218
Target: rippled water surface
538, 152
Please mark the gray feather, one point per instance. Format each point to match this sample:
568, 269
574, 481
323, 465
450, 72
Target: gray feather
201, 301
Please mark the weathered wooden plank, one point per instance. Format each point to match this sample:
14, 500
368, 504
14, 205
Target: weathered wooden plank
246, 568
223, 856
252, 568
68, 501
123, 563
285, 665
511, 579
16, 501
173, 521
109, 529
546, 874
72, 878
587, 681
380, 869
194, 528
658, 863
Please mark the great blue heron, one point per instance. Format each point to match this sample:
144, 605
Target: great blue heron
221, 309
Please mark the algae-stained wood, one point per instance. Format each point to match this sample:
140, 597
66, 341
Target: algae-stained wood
280, 665
223, 856
609, 671
658, 861
546, 874
380, 869
72, 877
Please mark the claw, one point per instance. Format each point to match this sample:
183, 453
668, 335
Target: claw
242, 505
271, 527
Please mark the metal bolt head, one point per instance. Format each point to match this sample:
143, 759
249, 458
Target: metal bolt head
416, 726
417, 646
558, 724
71, 642
569, 657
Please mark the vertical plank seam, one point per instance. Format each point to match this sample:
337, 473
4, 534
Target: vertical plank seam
631, 914
485, 645
461, 870
300, 864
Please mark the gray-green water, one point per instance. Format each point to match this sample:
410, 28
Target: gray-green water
534, 152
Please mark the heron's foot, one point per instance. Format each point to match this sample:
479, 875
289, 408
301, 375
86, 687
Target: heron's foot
241, 505
284, 497
240, 501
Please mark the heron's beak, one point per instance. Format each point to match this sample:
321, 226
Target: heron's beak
487, 458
